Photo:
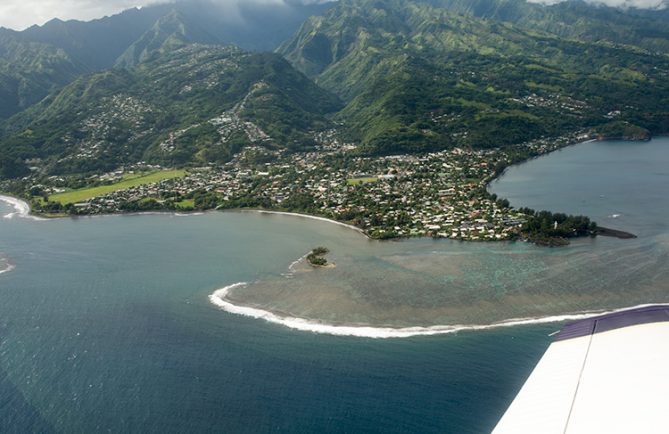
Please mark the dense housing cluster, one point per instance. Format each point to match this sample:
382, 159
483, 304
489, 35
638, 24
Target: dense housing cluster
439, 194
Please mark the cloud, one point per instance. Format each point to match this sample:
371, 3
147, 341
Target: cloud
19, 14
623, 4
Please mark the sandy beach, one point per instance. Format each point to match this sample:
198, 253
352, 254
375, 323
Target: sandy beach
21, 207
307, 216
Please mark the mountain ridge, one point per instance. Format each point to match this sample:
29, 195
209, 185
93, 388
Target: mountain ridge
413, 75
124, 115
90, 46
419, 77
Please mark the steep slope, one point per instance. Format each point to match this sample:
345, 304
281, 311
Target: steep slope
574, 19
173, 28
418, 77
28, 71
43, 58
95, 44
192, 103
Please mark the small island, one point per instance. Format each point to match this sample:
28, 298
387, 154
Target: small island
554, 229
317, 257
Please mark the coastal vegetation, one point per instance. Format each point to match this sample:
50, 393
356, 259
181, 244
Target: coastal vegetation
126, 181
441, 194
157, 112
393, 76
422, 76
554, 229
317, 257
621, 130
390, 115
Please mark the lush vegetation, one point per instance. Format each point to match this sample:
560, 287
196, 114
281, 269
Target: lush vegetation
554, 229
414, 76
128, 181
622, 130
317, 257
29, 71
41, 59
165, 110
425, 75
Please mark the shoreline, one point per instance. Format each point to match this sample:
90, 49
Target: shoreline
218, 299
306, 216
614, 233
24, 210
21, 207
503, 172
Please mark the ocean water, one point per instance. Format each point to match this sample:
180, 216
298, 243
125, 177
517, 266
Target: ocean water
424, 286
106, 323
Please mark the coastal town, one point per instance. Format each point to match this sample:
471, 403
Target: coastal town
440, 194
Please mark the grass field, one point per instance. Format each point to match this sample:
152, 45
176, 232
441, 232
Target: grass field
128, 181
186, 203
358, 181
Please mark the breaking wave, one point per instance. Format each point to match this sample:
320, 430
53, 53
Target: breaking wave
21, 208
219, 299
7, 269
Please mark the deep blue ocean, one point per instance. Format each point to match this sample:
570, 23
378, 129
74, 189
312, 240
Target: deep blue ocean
106, 325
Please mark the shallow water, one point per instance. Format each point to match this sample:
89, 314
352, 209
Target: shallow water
431, 283
106, 323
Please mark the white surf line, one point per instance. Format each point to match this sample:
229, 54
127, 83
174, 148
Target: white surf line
187, 214
291, 267
21, 208
218, 298
307, 216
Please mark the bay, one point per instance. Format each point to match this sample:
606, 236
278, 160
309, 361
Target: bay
106, 322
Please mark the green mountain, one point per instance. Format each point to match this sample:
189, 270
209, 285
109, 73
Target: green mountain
28, 71
187, 103
173, 28
40, 59
574, 19
417, 75
413, 75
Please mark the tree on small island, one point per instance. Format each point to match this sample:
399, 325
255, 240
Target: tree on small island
554, 229
316, 257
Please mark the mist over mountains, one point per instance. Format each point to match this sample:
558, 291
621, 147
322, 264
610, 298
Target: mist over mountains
625, 4
19, 15
41, 59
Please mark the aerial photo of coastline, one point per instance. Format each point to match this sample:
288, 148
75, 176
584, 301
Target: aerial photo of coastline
349, 216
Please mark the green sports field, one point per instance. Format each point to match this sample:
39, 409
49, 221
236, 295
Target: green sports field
85, 194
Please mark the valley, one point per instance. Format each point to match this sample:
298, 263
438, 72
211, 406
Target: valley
392, 116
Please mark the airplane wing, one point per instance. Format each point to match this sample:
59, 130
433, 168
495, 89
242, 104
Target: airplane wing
606, 374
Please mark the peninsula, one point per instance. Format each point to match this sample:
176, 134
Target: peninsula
440, 194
